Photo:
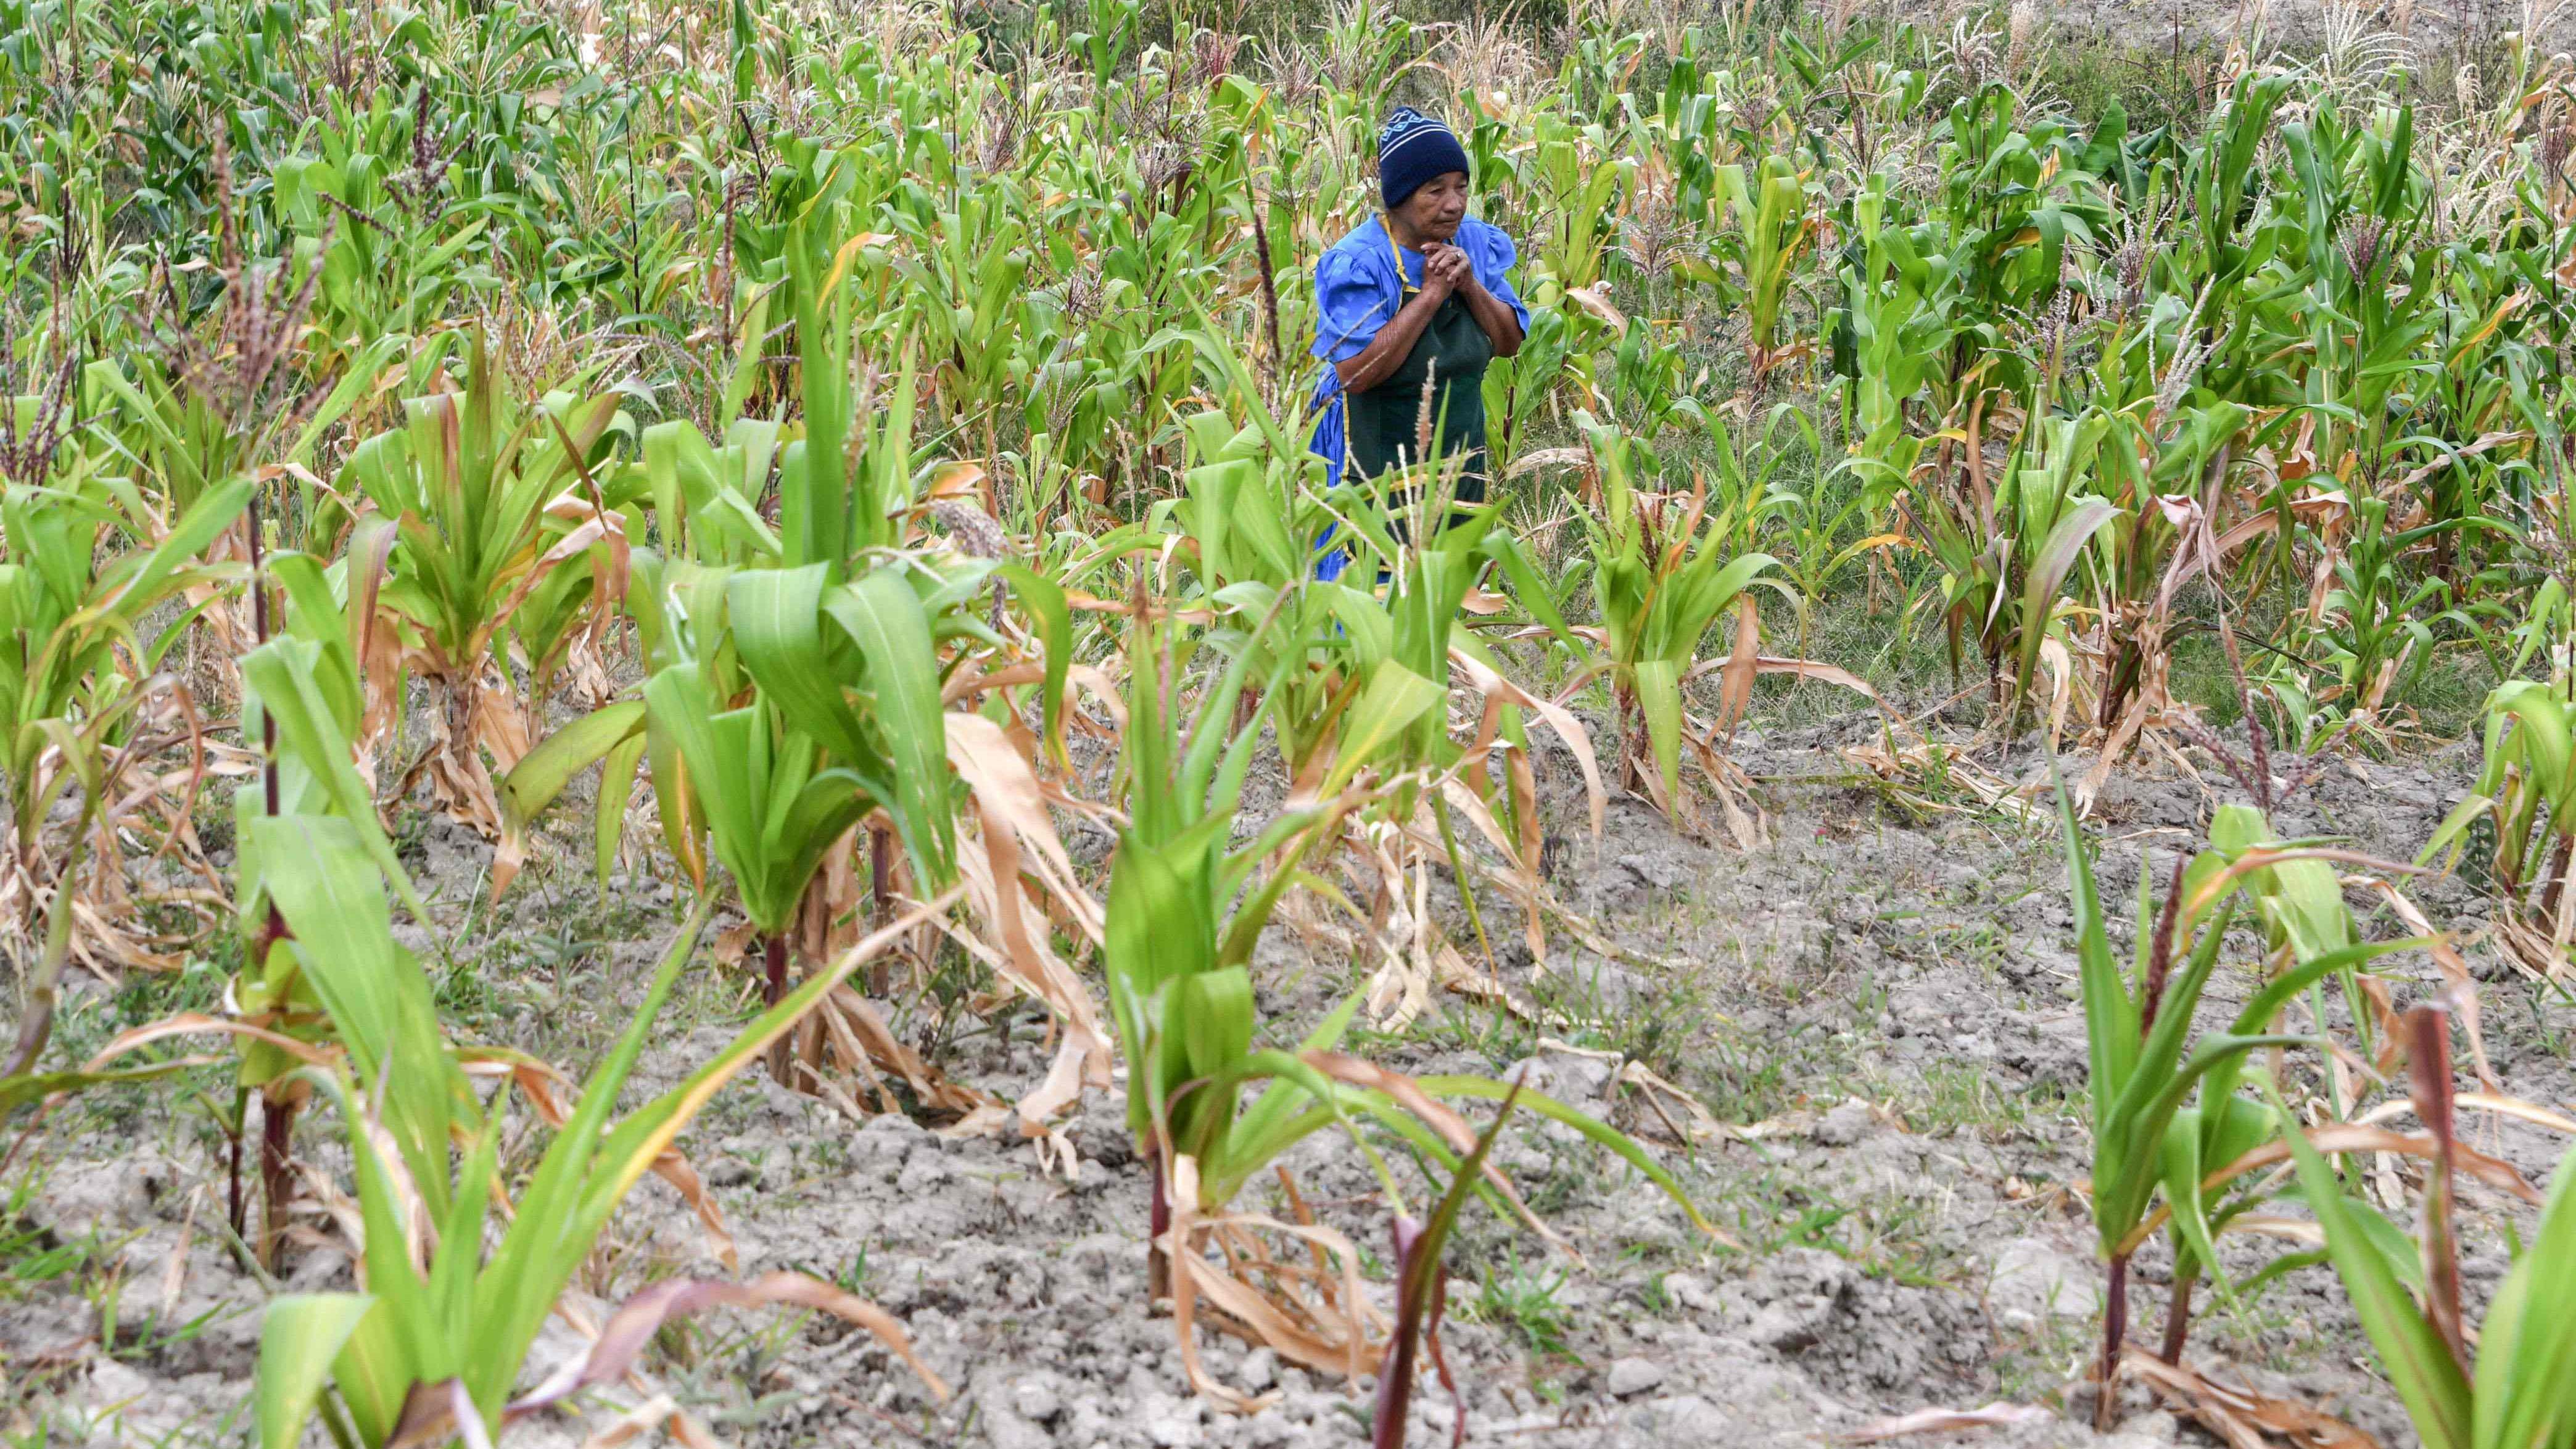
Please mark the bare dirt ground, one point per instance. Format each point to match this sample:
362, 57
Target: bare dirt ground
1879, 1003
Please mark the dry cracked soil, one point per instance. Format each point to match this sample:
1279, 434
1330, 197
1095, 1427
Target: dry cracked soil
1879, 1003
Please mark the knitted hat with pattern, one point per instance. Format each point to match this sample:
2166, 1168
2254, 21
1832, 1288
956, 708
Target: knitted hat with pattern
1412, 148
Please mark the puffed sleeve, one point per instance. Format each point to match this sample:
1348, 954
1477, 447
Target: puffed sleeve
1493, 254
1353, 299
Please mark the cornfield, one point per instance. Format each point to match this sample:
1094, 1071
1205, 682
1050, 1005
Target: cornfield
745, 593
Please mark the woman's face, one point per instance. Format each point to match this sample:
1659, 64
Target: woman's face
1434, 211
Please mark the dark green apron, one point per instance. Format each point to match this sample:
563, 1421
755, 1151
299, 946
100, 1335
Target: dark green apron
1383, 422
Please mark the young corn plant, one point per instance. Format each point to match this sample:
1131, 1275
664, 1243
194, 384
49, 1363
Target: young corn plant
1662, 580
1252, 531
1352, 675
1770, 230
490, 500
2517, 1388
2167, 1114
738, 782
2007, 552
781, 780
772, 805
433, 1345
2527, 791
1185, 908
304, 697
2378, 634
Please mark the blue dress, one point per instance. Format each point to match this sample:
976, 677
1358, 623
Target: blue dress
1360, 284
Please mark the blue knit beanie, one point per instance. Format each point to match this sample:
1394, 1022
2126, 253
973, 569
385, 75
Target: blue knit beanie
1412, 148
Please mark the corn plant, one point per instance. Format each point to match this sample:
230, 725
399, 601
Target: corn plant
706, 496
84, 696
185, 439
304, 696
1898, 330
1573, 183
1662, 581
2378, 637
1770, 229
2517, 1390
366, 206
785, 709
773, 806
489, 501
2527, 791
2007, 552
1185, 908
437, 1340
2148, 1058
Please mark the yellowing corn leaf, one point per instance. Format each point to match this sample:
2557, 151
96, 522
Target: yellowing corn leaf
632, 1327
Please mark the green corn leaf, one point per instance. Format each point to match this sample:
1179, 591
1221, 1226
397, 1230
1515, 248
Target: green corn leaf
2124, 1180
1528, 586
544, 771
777, 626
883, 617
1599, 1132
2453, 832
281, 672
560, 1211
2110, 1012
2124, 1140
616, 792
1394, 698
1659, 698
402, 1340
137, 588
2047, 575
2526, 1375
2428, 1380
299, 1335
321, 881
718, 780
460, 1237
1046, 603
30, 1087
2541, 734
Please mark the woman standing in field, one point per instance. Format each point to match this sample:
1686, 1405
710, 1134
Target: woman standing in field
1416, 294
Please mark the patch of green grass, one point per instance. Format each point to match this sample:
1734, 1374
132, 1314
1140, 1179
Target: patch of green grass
1964, 1097
1749, 1076
1525, 1303
1885, 1235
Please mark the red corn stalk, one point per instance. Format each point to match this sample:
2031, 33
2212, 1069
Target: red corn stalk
1158, 1263
2428, 1050
2115, 1290
277, 1110
2115, 1332
773, 989
1422, 1296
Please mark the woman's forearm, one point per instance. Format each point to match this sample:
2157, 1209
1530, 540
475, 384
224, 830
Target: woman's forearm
1386, 351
